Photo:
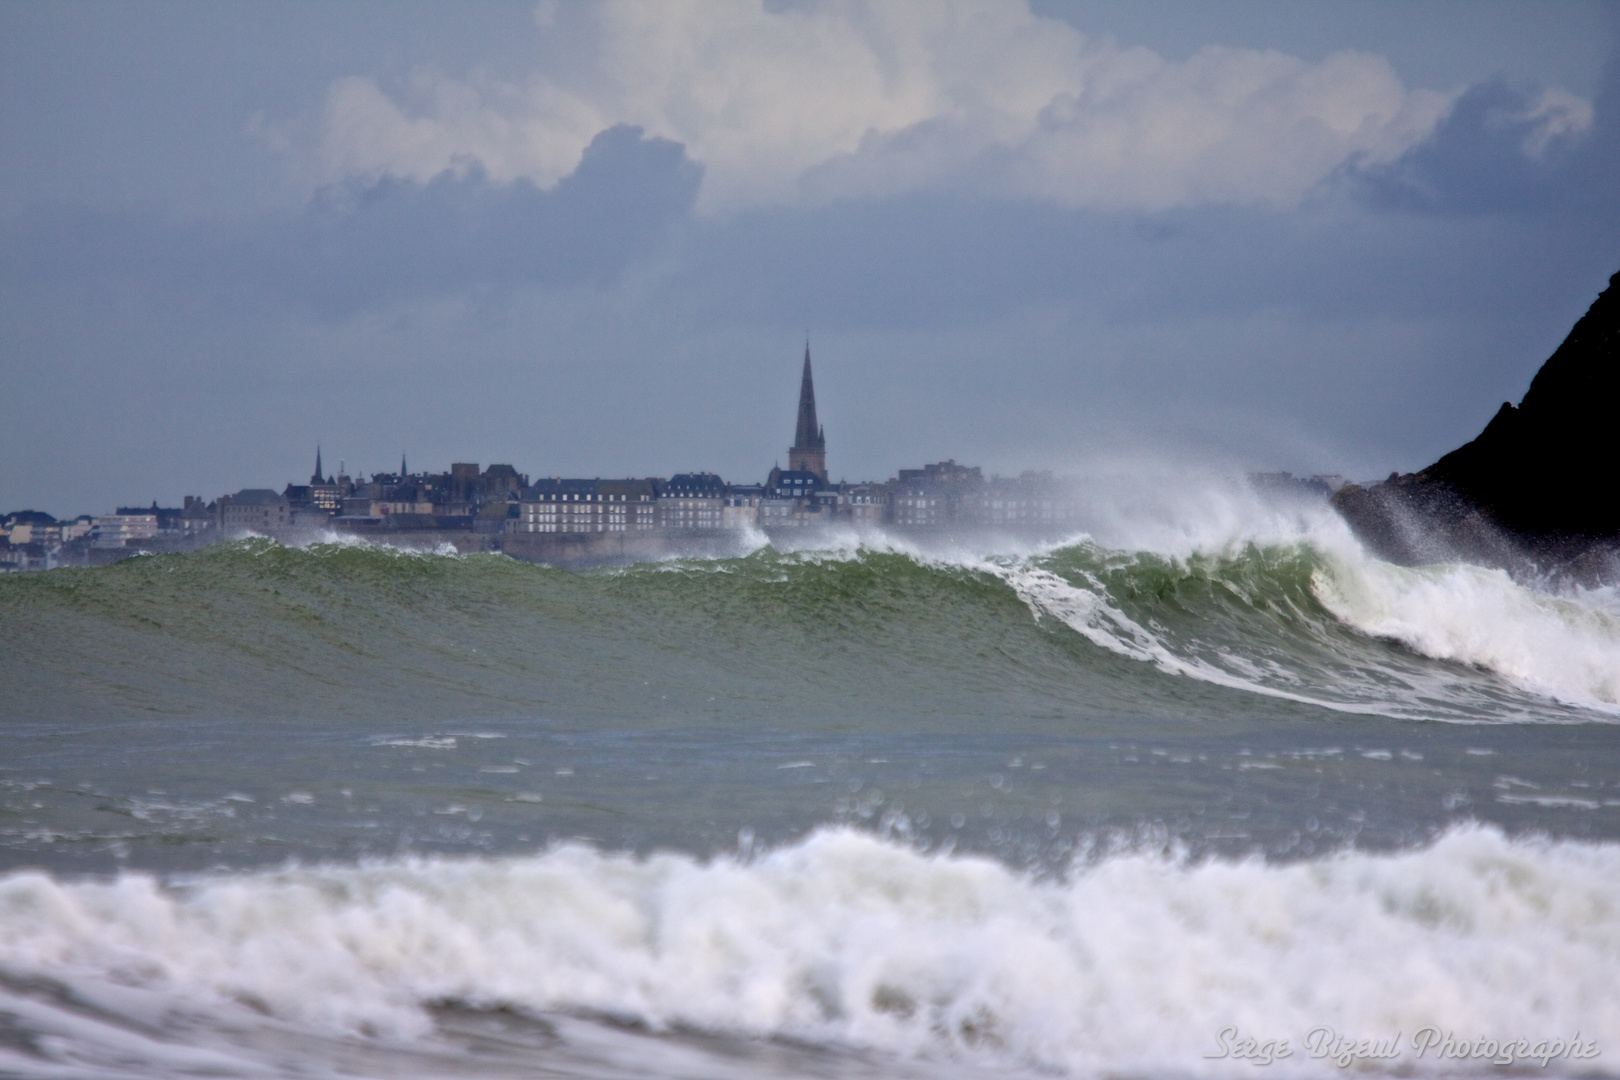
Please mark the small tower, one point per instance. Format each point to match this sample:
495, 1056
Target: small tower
316, 479
809, 450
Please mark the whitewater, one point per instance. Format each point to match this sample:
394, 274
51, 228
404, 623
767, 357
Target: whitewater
843, 941
1184, 792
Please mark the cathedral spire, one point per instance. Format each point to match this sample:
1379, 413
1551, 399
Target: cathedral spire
808, 433
809, 450
316, 479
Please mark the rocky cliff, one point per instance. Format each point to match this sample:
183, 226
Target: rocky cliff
1538, 489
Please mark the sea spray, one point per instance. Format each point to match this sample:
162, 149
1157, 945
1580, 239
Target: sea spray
1554, 645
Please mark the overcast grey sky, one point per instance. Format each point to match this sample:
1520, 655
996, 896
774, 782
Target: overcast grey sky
589, 239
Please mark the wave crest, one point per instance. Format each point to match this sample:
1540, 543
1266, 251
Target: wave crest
1553, 645
1133, 963
1311, 620
1327, 626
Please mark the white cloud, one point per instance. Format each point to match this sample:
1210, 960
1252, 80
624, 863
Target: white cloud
536, 132
1553, 114
841, 98
1224, 126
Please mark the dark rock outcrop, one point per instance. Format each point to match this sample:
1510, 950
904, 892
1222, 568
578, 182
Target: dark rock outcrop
1538, 491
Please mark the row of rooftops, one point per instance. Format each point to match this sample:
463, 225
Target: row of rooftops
464, 492
782, 484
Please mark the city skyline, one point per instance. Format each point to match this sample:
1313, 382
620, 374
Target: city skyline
456, 492
576, 521
808, 451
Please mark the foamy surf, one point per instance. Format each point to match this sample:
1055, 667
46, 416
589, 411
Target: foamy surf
1131, 965
1314, 583
1306, 622
1560, 646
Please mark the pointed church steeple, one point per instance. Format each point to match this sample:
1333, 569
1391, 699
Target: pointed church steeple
402, 471
316, 479
809, 450
809, 432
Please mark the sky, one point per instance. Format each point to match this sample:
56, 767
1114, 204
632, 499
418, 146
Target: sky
593, 239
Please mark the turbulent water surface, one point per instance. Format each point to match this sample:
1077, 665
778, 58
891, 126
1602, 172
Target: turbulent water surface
862, 809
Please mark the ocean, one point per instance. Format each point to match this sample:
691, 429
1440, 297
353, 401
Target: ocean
1195, 793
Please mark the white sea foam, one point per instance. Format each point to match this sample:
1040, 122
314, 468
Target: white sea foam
424, 742
1564, 647
313, 538
1560, 647
1129, 965
1179, 509
1089, 613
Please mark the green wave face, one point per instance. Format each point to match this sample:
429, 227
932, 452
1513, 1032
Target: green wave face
1254, 618
254, 629
832, 639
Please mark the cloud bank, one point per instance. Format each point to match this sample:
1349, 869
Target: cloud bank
830, 100
1014, 242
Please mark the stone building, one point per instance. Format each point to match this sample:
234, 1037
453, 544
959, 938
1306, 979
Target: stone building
253, 508
692, 501
792, 484
324, 492
740, 507
779, 514
499, 480
196, 516
931, 497
630, 505
918, 506
1031, 501
406, 499
584, 506
864, 504
796, 498
117, 530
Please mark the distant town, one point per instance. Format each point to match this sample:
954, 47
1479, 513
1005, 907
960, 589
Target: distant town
569, 521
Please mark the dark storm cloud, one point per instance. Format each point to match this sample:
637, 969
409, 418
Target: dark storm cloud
940, 256
362, 245
1490, 156
358, 245
1399, 247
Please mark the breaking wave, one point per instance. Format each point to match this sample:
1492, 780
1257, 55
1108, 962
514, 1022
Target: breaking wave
1309, 619
1131, 963
1299, 621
